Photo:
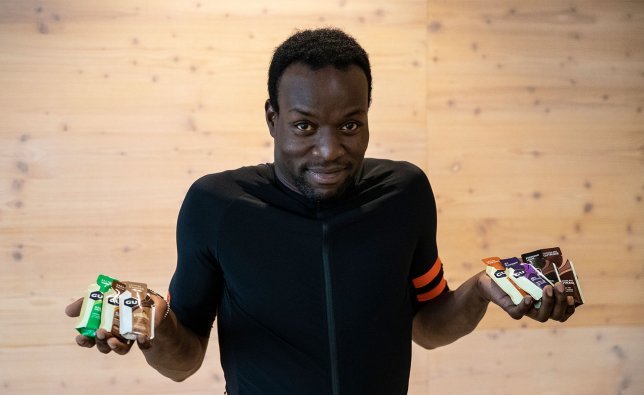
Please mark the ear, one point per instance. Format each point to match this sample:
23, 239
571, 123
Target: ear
271, 115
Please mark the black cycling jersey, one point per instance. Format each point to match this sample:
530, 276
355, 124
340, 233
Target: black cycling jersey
310, 298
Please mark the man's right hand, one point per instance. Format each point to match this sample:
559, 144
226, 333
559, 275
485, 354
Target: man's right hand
105, 341
176, 351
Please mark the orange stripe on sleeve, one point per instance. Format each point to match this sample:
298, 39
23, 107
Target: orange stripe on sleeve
429, 276
434, 292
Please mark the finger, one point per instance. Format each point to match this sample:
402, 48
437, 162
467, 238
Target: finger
547, 303
518, 311
118, 346
73, 309
160, 306
101, 341
570, 309
85, 341
533, 312
143, 342
560, 304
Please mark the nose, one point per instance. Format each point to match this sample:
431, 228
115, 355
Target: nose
329, 145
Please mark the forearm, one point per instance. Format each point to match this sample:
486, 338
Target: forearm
455, 315
176, 352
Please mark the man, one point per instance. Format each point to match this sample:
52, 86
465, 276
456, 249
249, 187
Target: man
320, 266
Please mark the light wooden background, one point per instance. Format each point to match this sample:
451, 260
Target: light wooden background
527, 116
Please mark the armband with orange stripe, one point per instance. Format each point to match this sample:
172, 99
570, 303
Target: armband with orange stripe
431, 284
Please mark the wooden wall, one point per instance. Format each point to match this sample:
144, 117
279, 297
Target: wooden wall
527, 116
536, 138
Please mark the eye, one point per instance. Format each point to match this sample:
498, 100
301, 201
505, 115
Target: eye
304, 126
351, 126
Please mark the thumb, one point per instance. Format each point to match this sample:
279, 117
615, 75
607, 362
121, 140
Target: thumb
73, 309
144, 342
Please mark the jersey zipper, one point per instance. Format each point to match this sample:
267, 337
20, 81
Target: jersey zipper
330, 316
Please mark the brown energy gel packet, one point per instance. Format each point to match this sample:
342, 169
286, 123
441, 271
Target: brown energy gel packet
553, 255
571, 282
536, 259
146, 323
111, 305
564, 269
116, 325
136, 312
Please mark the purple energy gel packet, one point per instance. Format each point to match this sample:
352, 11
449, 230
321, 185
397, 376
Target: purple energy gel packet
534, 276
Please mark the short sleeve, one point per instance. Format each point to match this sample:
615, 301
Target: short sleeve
426, 274
196, 285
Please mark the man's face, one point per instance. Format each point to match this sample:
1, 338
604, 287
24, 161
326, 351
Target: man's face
321, 132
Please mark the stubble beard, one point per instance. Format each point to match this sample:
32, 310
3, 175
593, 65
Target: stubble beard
316, 198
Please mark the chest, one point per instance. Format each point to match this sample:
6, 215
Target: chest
268, 253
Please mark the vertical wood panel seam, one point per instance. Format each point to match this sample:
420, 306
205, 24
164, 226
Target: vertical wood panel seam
425, 93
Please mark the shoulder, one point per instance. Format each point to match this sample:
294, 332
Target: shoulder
229, 184
211, 194
402, 173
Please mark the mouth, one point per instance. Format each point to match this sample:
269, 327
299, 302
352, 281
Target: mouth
328, 176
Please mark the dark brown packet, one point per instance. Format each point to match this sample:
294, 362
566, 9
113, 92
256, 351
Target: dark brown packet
568, 278
536, 259
553, 255
571, 282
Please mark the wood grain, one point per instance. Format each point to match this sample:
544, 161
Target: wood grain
527, 118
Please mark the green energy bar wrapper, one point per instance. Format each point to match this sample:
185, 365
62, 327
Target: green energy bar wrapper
89, 319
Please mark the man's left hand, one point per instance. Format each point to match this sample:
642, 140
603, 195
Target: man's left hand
555, 305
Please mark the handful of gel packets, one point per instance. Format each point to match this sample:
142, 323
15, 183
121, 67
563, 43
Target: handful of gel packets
123, 308
529, 277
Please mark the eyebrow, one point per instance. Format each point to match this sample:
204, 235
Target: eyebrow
301, 111
308, 113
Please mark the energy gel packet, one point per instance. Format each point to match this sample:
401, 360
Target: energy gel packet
496, 271
116, 323
146, 325
89, 319
516, 271
568, 279
136, 312
535, 276
571, 282
111, 305
546, 267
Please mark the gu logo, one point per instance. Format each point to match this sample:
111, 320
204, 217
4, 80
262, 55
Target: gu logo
499, 274
131, 302
96, 295
113, 301
519, 273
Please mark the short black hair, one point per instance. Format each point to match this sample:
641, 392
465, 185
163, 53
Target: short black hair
317, 49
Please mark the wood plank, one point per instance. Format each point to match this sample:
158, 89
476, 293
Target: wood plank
500, 362
110, 111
